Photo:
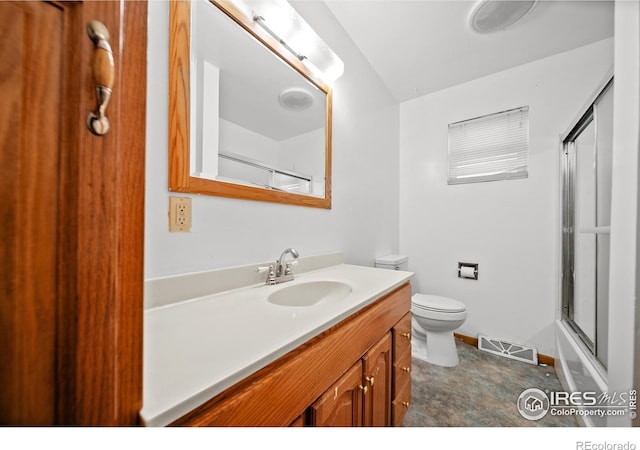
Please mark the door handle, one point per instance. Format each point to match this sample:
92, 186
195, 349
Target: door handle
103, 73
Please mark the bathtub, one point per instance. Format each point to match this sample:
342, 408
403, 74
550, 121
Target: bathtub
578, 370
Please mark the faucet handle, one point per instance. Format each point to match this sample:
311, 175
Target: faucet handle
287, 270
271, 276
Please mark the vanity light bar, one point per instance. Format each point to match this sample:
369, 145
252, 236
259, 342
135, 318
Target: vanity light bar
283, 23
260, 21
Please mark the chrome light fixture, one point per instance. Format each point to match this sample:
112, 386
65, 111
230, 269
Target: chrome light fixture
283, 23
488, 16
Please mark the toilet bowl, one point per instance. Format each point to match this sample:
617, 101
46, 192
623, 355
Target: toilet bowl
434, 319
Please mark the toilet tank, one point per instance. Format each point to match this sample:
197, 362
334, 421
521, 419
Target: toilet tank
393, 262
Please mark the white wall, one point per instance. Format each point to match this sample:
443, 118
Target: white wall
624, 284
363, 222
303, 153
245, 142
511, 228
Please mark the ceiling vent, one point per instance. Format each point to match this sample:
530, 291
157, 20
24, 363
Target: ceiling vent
295, 99
488, 16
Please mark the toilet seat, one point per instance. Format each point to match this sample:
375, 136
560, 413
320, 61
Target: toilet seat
437, 303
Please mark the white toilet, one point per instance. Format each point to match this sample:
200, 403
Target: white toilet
434, 319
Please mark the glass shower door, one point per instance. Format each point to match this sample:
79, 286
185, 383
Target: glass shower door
586, 217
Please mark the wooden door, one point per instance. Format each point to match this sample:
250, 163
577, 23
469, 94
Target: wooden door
72, 216
341, 404
377, 365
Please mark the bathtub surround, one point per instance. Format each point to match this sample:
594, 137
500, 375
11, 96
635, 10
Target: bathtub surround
578, 370
509, 227
624, 293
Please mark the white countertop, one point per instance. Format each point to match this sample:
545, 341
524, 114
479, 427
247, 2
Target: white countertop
195, 349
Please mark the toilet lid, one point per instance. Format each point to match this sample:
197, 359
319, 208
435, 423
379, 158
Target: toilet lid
437, 303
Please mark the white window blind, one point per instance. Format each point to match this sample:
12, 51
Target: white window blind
489, 148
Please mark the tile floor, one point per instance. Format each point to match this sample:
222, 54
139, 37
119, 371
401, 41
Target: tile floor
480, 392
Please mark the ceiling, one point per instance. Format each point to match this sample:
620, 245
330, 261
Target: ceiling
422, 46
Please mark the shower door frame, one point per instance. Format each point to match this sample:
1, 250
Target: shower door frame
568, 220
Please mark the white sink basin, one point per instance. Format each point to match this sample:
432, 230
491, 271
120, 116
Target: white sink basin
310, 293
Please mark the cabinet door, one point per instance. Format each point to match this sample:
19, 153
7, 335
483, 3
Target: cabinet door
402, 336
298, 422
341, 404
402, 387
377, 372
401, 369
71, 272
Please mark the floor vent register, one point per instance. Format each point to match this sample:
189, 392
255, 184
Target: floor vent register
508, 349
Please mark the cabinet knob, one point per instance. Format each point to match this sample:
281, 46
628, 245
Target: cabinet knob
407, 335
405, 404
407, 369
363, 388
370, 379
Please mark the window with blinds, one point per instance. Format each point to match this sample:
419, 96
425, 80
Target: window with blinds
489, 148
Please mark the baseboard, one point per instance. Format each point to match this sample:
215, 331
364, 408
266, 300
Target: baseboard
466, 339
542, 359
546, 359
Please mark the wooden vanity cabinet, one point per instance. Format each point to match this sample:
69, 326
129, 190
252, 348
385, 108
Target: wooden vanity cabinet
342, 377
71, 272
377, 364
362, 396
298, 422
341, 405
401, 369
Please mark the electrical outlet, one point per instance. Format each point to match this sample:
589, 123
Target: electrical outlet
179, 214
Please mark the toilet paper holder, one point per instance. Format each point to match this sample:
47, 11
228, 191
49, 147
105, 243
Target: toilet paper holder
468, 271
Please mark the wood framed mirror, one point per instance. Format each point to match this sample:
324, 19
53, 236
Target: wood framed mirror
225, 68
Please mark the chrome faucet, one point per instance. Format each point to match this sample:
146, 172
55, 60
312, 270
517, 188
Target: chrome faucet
285, 270
281, 272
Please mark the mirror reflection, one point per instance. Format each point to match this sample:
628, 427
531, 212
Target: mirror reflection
255, 120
